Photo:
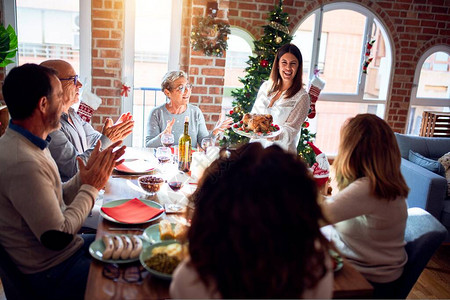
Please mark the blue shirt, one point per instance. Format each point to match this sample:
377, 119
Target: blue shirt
42, 144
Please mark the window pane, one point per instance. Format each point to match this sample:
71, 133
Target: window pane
378, 71
330, 118
415, 118
303, 39
238, 53
341, 68
434, 77
150, 60
39, 38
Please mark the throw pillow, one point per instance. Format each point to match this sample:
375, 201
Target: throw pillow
427, 163
445, 161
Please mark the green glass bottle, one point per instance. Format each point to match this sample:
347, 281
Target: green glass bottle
185, 148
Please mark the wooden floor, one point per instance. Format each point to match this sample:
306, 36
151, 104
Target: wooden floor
434, 283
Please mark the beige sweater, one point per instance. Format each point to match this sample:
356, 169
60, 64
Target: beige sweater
370, 231
33, 201
186, 284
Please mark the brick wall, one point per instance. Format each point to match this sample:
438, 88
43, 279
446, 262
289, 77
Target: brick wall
107, 44
414, 26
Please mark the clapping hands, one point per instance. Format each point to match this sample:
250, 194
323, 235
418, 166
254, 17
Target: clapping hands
221, 125
100, 165
120, 130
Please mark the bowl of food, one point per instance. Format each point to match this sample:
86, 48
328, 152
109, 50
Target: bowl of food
150, 183
161, 259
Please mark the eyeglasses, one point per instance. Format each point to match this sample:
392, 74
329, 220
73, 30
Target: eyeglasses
131, 274
74, 78
182, 88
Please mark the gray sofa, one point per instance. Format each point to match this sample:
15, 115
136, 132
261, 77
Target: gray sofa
428, 190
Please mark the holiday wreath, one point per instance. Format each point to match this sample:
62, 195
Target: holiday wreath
210, 36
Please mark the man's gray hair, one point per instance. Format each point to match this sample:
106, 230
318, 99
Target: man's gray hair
170, 77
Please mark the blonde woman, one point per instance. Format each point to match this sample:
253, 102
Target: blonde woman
370, 211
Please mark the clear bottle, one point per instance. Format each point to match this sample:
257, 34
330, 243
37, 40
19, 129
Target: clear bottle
185, 148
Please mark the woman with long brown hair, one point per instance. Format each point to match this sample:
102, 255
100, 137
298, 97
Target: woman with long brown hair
258, 237
284, 98
370, 211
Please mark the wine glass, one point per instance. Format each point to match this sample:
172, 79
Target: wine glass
206, 143
164, 155
167, 139
175, 183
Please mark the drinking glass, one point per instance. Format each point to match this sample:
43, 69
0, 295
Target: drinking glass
175, 183
164, 155
206, 143
167, 139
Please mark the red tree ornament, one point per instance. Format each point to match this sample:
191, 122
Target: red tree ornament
125, 90
264, 63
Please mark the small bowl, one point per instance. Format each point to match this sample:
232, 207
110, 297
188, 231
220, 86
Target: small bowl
151, 184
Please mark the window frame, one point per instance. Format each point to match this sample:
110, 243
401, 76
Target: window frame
425, 101
357, 97
10, 18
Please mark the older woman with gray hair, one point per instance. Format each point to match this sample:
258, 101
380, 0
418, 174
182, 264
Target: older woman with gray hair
169, 117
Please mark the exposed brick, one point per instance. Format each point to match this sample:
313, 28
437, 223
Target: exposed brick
101, 92
210, 108
101, 43
213, 72
199, 90
102, 23
202, 61
214, 81
100, 34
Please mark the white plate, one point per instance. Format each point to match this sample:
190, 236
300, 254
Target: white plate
136, 166
152, 235
254, 135
118, 202
97, 247
147, 252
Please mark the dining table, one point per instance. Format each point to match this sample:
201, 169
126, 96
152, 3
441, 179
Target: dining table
348, 282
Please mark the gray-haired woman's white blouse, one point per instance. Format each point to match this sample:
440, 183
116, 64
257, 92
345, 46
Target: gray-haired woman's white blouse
159, 117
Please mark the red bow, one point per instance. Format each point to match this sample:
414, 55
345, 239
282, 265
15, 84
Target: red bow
125, 90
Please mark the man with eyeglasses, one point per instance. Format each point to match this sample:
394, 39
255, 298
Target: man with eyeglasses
77, 138
39, 215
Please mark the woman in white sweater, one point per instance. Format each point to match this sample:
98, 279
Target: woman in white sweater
370, 211
284, 98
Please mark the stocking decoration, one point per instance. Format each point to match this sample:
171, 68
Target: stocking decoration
316, 85
367, 60
89, 103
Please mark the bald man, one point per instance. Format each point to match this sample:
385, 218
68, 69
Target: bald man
76, 137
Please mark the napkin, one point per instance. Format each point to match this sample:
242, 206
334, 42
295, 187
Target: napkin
133, 211
136, 166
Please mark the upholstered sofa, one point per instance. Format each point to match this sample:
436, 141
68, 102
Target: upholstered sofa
428, 190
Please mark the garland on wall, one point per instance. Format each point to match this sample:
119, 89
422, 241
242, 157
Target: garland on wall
210, 36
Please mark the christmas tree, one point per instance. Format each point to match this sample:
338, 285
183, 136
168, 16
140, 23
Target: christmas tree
303, 149
276, 34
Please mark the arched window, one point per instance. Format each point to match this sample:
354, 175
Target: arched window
431, 87
333, 40
240, 46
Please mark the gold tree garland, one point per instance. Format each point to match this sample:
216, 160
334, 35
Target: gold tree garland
210, 36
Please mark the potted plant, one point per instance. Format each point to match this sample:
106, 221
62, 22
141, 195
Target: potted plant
8, 45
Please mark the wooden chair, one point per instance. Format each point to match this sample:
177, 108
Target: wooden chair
15, 284
4, 119
435, 123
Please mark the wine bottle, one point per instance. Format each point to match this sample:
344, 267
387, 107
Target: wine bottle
184, 149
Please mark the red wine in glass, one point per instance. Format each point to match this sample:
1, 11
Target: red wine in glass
163, 159
167, 144
175, 185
